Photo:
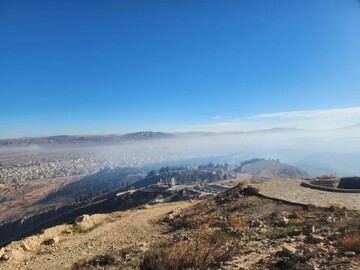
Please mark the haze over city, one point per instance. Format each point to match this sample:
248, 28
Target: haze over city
182, 134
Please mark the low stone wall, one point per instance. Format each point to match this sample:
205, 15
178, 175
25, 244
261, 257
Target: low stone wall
349, 183
332, 183
331, 189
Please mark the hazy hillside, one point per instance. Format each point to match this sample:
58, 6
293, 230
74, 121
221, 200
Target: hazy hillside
270, 169
144, 135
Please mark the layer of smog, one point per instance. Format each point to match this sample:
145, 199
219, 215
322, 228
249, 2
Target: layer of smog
317, 152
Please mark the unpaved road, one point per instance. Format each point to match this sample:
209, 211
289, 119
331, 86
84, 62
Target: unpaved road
119, 229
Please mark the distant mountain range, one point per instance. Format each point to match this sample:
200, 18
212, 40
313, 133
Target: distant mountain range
260, 131
63, 139
148, 135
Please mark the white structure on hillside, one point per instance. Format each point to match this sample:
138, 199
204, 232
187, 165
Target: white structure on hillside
173, 182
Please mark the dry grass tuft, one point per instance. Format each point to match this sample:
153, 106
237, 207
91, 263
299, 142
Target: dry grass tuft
234, 221
351, 243
297, 215
202, 251
244, 184
97, 261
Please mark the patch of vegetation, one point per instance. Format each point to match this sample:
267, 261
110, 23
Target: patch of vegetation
350, 243
125, 259
203, 250
86, 230
97, 261
43, 251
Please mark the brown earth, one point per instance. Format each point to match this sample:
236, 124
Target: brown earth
108, 231
18, 200
253, 232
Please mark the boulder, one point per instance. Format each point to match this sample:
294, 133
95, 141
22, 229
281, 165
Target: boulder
257, 223
83, 218
52, 241
349, 254
284, 221
2, 252
85, 222
289, 250
316, 238
4, 257
308, 229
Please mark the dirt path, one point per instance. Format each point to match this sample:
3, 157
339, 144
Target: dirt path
291, 190
119, 229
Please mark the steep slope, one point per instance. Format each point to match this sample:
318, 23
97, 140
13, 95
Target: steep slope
117, 231
235, 230
105, 203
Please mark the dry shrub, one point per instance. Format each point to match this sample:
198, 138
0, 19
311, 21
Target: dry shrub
203, 207
97, 261
275, 216
79, 264
311, 207
337, 208
353, 225
198, 208
86, 230
194, 222
244, 184
195, 217
351, 243
297, 215
234, 221
203, 250
208, 222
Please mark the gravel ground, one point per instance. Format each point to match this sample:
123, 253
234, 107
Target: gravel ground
291, 190
119, 230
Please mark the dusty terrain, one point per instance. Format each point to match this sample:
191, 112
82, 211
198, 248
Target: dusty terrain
291, 190
18, 200
237, 229
117, 231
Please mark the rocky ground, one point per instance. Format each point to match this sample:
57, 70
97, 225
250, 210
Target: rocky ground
62, 246
235, 230
264, 234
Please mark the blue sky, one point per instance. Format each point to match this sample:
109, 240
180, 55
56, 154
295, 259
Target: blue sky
91, 67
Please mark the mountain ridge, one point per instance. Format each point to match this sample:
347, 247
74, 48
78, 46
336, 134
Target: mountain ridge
61, 139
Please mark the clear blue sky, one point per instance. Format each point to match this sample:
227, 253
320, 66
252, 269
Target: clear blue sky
81, 67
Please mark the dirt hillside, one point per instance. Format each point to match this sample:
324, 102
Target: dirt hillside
94, 235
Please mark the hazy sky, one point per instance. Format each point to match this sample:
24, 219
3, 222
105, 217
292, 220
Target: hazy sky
71, 67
